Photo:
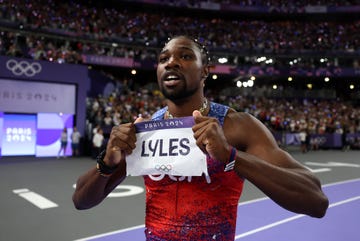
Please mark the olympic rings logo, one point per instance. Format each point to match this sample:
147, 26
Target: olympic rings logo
164, 168
23, 68
320, 140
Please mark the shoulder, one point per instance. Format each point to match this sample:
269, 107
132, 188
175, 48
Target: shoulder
240, 118
243, 129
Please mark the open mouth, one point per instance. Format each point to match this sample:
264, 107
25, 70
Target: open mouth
171, 79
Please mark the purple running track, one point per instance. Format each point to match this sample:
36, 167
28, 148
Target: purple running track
262, 219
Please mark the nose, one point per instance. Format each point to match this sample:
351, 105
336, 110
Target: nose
173, 62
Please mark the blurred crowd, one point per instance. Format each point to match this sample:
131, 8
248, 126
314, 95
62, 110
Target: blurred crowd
268, 3
64, 31
305, 117
288, 115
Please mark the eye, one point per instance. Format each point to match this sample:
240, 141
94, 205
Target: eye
163, 59
186, 56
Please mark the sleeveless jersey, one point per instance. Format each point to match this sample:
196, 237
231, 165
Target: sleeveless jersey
193, 208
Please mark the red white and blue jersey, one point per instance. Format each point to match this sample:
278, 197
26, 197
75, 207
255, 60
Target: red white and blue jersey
193, 208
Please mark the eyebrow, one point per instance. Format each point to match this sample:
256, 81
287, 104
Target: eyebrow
180, 47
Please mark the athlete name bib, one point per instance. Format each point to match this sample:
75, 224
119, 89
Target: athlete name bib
166, 147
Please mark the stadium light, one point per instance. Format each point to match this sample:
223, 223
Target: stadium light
261, 59
269, 61
222, 60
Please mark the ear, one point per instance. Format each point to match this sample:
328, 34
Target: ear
205, 72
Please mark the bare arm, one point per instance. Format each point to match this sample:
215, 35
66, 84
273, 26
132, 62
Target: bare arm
277, 173
92, 187
260, 160
290, 185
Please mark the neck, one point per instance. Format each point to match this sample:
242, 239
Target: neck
202, 109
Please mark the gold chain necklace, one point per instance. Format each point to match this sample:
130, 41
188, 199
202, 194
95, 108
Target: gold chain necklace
202, 109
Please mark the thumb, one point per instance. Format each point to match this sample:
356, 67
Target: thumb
196, 113
139, 119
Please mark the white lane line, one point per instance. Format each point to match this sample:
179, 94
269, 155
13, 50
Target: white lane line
17, 191
268, 226
253, 201
36, 199
341, 182
290, 219
344, 201
111, 233
332, 164
241, 203
320, 170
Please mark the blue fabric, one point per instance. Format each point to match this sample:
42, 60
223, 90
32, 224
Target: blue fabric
216, 110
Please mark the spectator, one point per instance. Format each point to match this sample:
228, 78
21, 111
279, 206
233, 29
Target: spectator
304, 140
75, 141
97, 141
63, 142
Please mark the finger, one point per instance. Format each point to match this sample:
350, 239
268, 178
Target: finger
118, 143
139, 119
123, 137
201, 143
196, 113
201, 138
124, 131
202, 126
198, 117
199, 132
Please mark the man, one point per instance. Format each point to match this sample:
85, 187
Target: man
75, 141
97, 141
63, 142
203, 209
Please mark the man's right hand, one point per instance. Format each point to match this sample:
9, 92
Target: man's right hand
121, 143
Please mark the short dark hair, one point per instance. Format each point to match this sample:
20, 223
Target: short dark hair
205, 55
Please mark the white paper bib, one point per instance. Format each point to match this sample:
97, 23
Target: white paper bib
166, 147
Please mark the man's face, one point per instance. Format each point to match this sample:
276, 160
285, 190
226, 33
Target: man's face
180, 69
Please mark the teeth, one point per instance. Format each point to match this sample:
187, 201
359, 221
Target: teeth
172, 77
